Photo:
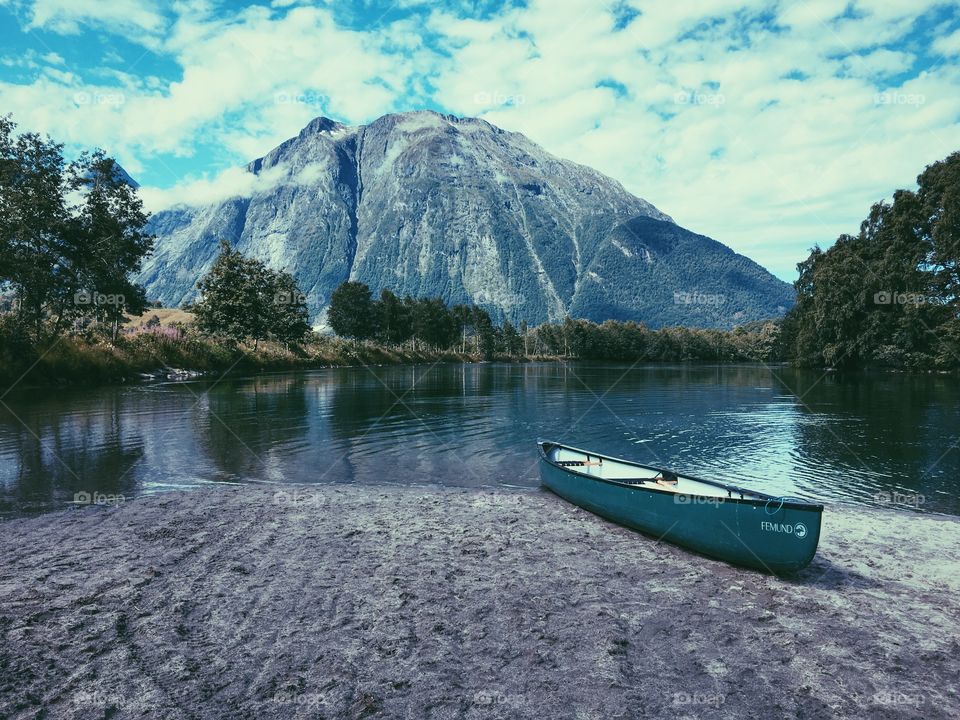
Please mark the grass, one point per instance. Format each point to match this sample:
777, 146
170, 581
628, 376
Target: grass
167, 316
91, 359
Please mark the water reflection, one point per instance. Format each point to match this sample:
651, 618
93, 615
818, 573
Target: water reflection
50, 456
784, 431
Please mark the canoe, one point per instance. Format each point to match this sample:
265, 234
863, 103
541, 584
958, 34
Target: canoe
743, 527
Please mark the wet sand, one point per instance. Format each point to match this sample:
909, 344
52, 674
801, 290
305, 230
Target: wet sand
353, 602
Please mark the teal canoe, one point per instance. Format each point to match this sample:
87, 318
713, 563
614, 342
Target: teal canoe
743, 527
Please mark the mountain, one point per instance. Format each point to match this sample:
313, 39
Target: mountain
435, 205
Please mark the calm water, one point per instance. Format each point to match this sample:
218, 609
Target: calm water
872, 439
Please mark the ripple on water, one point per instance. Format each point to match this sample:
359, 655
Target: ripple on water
857, 441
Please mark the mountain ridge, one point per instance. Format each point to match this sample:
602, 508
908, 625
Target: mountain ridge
436, 205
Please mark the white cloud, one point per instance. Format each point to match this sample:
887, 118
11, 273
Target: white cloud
948, 45
710, 130
67, 16
252, 80
702, 117
231, 183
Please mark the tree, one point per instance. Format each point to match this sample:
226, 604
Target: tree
395, 323
106, 242
512, 343
288, 316
352, 313
33, 219
463, 316
433, 323
483, 327
243, 299
889, 294
66, 260
231, 297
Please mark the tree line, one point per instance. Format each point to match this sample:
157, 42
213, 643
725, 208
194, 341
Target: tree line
889, 295
354, 313
72, 234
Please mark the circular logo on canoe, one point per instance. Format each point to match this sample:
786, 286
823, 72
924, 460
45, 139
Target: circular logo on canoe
800, 530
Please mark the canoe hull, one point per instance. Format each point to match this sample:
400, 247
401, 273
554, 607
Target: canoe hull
774, 537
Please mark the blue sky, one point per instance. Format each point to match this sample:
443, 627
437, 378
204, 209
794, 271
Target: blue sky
770, 126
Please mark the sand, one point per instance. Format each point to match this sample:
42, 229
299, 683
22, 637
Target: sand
357, 602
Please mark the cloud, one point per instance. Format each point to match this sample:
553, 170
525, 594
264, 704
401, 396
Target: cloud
711, 128
770, 125
228, 184
948, 45
250, 80
118, 16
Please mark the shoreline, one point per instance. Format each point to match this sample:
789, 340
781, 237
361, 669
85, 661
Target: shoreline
362, 601
73, 365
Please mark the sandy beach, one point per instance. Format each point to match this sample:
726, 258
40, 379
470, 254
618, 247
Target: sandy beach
421, 603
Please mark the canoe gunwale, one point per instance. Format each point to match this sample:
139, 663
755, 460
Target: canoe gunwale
762, 499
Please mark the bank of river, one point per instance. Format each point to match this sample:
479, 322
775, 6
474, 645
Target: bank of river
403, 602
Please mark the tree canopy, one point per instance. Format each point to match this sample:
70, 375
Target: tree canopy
888, 295
71, 234
243, 299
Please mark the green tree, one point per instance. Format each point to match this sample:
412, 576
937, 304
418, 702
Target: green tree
395, 323
485, 337
887, 296
287, 313
433, 323
352, 312
70, 236
512, 342
243, 299
463, 316
33, 221
232, 297
106, 243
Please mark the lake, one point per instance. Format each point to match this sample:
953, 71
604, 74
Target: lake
874, 439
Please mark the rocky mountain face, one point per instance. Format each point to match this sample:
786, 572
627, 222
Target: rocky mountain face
434, 205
